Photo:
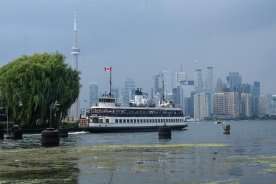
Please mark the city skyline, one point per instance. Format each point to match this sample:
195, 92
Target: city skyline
147, 37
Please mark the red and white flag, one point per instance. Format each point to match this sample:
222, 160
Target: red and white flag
108, 69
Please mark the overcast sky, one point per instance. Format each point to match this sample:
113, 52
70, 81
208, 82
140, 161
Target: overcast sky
139, 38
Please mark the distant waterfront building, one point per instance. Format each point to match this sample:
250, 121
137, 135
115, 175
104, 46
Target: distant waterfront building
180, 76
227, 105
198, 81
158, 87
162, 80
256, 92
93, 94
220, 86
128, 91
201, 106
187, 87
264, 105
209, 83
209, 86
234, 81
116, 93
246, 105
178, 96
246, 88
273, 105
219, 104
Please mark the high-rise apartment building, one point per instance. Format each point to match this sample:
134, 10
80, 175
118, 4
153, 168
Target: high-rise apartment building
178, 96
201, 106
162, 80
246, 105
198, 80
264, 105
234, 81
220, 86
93, 94
209, 83
227, 105
128, 91
273, 105
256, 92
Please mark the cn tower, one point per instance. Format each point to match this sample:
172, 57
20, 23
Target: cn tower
75, 109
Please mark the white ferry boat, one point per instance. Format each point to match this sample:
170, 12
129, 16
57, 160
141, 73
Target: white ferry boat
108, 116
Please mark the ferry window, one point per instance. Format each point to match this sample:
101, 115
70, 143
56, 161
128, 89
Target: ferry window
135, 121
100, 120
127, 120
107, 120
116, 120
131, 121
95, 120
124, 120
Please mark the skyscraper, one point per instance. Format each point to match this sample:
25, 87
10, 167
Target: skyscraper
246, 105
273, 106
227, 105
219, 104
75, 108
198, 80
264, 105
209, 83
220, 86
178, 96
256, 92
93, 94
128, 91
201, 106
158, 87
234, 81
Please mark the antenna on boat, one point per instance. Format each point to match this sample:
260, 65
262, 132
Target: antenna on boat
163, 90
109, 69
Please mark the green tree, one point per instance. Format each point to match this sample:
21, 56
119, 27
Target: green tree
30, 85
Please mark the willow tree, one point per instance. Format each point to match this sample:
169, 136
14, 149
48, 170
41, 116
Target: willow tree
30, 85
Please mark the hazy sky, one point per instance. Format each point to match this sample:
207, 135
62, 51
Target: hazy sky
139, 38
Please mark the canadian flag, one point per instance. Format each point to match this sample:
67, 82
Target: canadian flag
107, 69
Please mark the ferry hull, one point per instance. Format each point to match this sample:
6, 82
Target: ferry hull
131, 129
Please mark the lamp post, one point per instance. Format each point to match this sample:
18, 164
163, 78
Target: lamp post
7, 114
52, 107
50, 136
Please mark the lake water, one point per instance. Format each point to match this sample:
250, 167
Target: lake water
200, 154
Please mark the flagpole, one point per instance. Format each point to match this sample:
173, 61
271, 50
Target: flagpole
110, 81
